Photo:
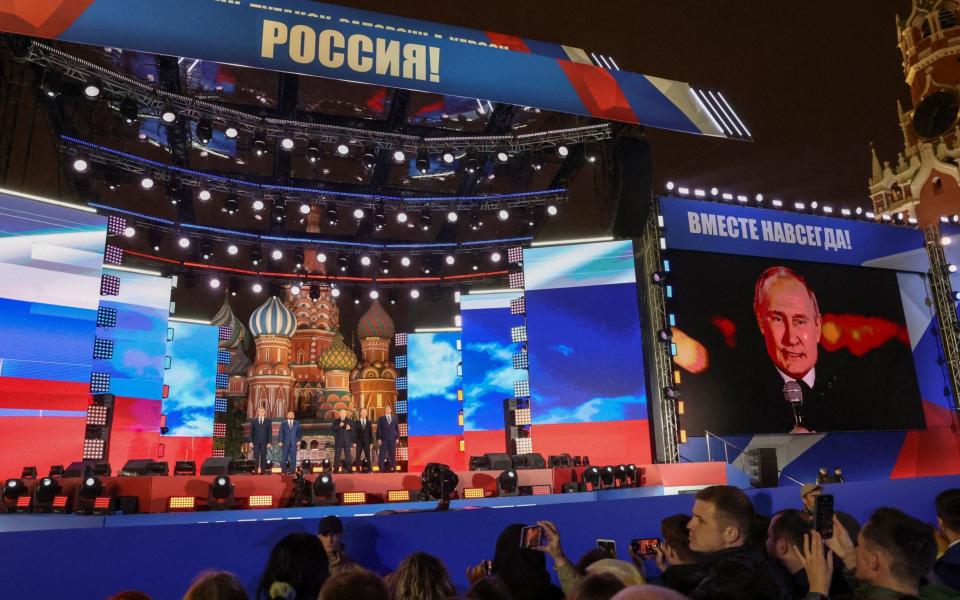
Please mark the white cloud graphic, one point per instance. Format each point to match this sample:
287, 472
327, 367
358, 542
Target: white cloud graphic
194, 425
593, 410
562, 349
434, 366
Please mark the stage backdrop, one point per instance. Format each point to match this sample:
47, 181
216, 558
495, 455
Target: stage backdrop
433, 405
488, 369
587, 382
51, 261
876, 351
191, 384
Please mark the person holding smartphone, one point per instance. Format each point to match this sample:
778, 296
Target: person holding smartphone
678, 564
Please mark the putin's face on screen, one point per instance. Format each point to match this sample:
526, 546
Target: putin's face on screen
790, 322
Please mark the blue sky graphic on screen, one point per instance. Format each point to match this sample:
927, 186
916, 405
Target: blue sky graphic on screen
488, 372
583, 332
51, 260
432, 383
139, 337
192, 378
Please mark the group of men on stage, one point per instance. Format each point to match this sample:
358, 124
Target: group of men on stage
347, 433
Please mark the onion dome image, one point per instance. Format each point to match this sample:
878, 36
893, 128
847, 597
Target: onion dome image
273, 318
375, 323
338, 357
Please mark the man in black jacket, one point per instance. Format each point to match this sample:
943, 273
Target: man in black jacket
679, 565
343, 438
364, 436
731, 567
261, 436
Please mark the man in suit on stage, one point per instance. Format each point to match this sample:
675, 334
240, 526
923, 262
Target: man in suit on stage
261, 435
388, 432
364, 437
290, 436
343, 438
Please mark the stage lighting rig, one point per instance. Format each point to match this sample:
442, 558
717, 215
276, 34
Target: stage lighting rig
92, 89
448, 156
507, 483
426, 220
91, 498
313, 153
259, 144
591, 476
333, 215
231, 132
607, 476
44, 494
369, 157
502, 156
256, 255
52, 84
13, 490
423, 161
221, 494
324, 490
621, 475
204, 131
437, 482
129, 110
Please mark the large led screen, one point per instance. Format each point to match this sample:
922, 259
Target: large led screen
191, 379
433, 407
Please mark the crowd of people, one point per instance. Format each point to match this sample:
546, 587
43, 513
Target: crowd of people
723, 550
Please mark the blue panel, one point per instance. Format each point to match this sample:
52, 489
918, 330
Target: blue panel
488, 373
39, 344
192, 379
432, 360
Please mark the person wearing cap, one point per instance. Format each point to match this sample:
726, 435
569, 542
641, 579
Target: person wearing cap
330, 532
808, 495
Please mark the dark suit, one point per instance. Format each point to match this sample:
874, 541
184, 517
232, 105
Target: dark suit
343, 439
364, 438
261, 434
947, 568
388, 434
290, 437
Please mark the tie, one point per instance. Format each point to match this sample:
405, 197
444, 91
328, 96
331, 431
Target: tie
363, 423
261, 420
290, 424
388, 419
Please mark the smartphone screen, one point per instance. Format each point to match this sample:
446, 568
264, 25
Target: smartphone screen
608, 546
823, 515
645, 546
531, 536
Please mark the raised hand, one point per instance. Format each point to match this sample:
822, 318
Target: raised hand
842, 545
817, 562
552, 547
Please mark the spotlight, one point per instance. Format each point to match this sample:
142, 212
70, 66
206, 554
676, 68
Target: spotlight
304, 209
204, 131
154, 238
402, 217
295, 289
259, 144
344, 263
129, 231
184, 242
552, 210
298, 257
449, 259
129, 110
204, 195
951, 268
563, 151
536, 161
426, 220
256, 255
607, 475
502, 156
472, 164
374, 294
232, 249
448, 157
399, 156
324, 490
343, 149
658, 277
475, 222
405, 261
495, 257
423, 161
321, 257
91, 90
279, 211
365, 261
335, 292
945, 241
452, 216
437, 482
358, 213
503, 214
671, 393
13, 490
591, 154
385, 265
620, 473
257, 288
286, 143
43, 495
215, 283
507, 483
231, 132
379, 218
221, 494
89, 495
369, 157
146, 182
665, 335
414, 293
168, 115
313, 153
591, 476
206, 250
80, 165
333, 215
257, 204
277, 254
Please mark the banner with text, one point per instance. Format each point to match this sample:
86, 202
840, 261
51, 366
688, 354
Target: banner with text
339, 42
735, 229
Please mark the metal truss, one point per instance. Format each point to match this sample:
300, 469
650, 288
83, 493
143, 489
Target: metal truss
946, 307
165, 174
154, 101
666, 426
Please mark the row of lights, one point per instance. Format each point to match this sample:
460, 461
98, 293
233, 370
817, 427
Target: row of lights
716, 194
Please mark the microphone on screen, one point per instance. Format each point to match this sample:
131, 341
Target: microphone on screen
793, 393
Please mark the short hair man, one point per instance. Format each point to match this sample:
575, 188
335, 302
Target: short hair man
808, 495
290, 436
895, 552
343, 438
261, 436
789, 318
388, 432
732, 568
330, 532
678, 563
364, 439
785, 534
947, 568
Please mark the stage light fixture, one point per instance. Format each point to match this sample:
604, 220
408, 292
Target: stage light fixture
502, 156
365, 260
402, 217
204, 131
475, 222
536, 161
256, 255
552, 210
591, 476
369, 157
447, 156
92, 90
313, 153
670, 185
298, 257
414, 293
232, 249
495, 257
344, 263
607, 476
167, 115
343, 148
154, 238
452, 216
276, 254
945, 241
146, 182
259, 144
956, 296
221, 493
295, 289
426, 220
335, 292
665, 335
507, 483
333, 215
714, 192
129, 110
379, 218
503, 214
471, 164
951, 268
129, 231
231, 132
321, 257
257, 288
204, 195
257, 205
423, 161
215, 283
449, 259
304, 209
206, 250
374, 294
184, 468
658, 278
184, 242
80, 165
591, 154
621, 475
405, 261
28, 473
279, 211
563, 151
399, 156
286, 143
437, 481
358, 213
44, 494
324, 489
385, 265
671, 392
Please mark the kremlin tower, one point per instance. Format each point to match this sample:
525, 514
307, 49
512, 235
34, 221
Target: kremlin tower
373, 382
924, 182
271, 381
337, 363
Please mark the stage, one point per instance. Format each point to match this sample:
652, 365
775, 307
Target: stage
153, 492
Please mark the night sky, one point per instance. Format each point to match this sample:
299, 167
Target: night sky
816, 82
